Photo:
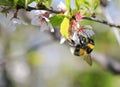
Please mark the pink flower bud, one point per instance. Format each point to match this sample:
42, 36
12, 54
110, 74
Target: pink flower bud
78, 17
80, 29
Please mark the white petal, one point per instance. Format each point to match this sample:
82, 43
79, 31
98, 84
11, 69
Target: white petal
16, 21
23, 22
66, 12
62, 40
75, 37
44, 27
61, 6
36, 21
42, 11
51, 15
51, 27
4, 20
72, 49
78, 25
35, 12
33, 4
45, 18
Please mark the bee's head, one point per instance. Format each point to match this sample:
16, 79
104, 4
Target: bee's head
82, 40
91, 41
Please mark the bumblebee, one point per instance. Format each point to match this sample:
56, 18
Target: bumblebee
84, 48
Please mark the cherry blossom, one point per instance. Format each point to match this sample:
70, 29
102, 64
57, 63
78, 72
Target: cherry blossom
78, 17
33, 4
62, 40
11, 23
15, 21
61, 7
41, 20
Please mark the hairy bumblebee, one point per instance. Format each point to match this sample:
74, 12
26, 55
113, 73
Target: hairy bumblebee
84, 48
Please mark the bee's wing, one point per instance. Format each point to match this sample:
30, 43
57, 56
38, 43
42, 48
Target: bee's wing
88, 59
72, 49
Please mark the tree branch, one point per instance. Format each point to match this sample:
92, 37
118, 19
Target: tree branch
102, 21
42, 8
87, 18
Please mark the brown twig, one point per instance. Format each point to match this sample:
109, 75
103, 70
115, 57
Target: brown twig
87, 18
42, 8
102, 21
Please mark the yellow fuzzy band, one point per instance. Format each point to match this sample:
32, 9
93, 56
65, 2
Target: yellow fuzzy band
90, 45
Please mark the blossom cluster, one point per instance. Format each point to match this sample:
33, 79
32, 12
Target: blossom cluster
41, 19
76, 30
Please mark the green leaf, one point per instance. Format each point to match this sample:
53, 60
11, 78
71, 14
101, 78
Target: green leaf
86, 22
68, 4
23, 3
93, 4
74, 11
57, 19
77, 4
15, 2
97, 4
87, 5
26, 3
46, 3
49, 2
39, 1
64, 28
6, 3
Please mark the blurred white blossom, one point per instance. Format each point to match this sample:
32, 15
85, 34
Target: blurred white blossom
33, 4
37, 21
61, 6
75, 37
19, 71
18, 21
15, 21
7, 22
62, 40
72, 50
42, 22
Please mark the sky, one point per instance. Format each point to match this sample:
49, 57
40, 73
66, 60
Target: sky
56, 2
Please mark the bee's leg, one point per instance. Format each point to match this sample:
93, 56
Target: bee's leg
71, 43
77, 49
88, 49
